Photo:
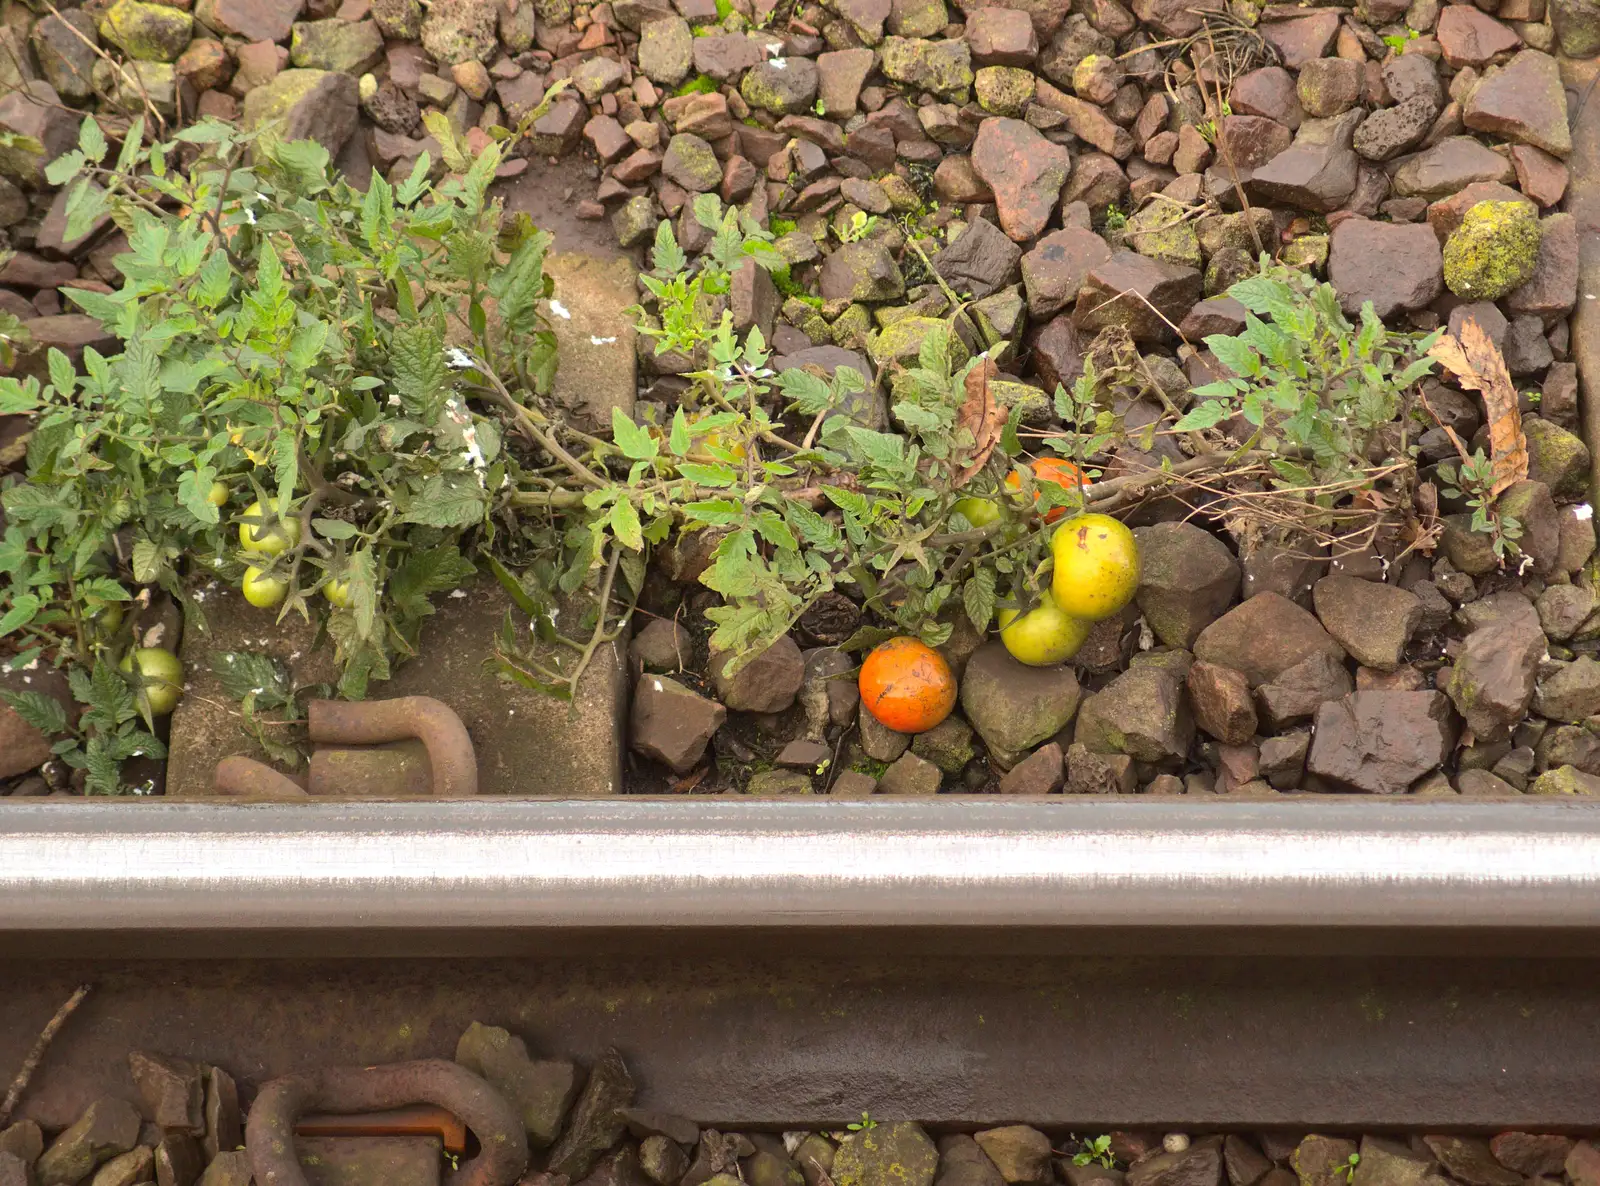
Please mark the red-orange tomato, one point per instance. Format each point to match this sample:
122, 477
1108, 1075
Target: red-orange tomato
1050, 469
907, 685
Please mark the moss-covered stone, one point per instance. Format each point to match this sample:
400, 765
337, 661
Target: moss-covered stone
852, 326
1472, 552
634, 221
1009, 394
944, 67
1000, 316
1004, 90
1564, 780
456, 31
319, 104
783, 86
779, 782
350, 47
901, 341
1557, 458
917, 18
948, 745
1307, 251
1493, 251
138, 83
401, 20
1160, 231
886, 1155
147, 32
666, 50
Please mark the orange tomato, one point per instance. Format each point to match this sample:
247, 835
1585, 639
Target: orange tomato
907, 685
1058, 470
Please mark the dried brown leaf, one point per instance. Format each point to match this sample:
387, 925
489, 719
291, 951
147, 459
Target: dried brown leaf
1478, 365
980, 416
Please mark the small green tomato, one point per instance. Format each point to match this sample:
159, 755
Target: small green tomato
160, 674
270, 541
262, 591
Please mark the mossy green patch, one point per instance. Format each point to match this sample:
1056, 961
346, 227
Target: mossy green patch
1493, 251
700, 84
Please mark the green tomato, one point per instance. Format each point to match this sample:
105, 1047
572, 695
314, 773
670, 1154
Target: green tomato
338, 593
107, 615
269, 541
217, 496
1044, 635
160, 674
980, 512
262, 591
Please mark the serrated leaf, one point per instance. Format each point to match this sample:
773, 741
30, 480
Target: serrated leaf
194, 487
17, 399
44, 713
1234, 354
679, 440
636, 444
425, 572
718, 476
24, 608
667, 257
453, 500
149, 561
362, 573
625, 524
1207, 414
416, 355
335, 529
808, 393
519, 595
92, 140
253, 675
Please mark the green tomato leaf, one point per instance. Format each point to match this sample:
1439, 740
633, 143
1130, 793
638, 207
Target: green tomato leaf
625, 524
635, 443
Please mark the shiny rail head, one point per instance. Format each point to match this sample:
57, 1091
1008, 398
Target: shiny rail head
944, 862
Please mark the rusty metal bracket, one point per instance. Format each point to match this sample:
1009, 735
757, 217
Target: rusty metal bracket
451, 757
251, 779
422, 1120
373, 722
269, 1132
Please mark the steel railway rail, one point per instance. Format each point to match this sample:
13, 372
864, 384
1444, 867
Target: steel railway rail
1293, 962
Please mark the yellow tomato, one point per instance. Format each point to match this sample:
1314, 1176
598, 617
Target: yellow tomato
262, 591
1096, 567
160, 675
338, 593
256, 536
1043, 636
980, 512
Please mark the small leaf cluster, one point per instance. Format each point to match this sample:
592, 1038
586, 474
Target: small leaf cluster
1095, 1151
1312, 387
107, 731
1473, 480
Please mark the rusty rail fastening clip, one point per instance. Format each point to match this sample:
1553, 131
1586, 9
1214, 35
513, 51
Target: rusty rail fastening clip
269, 1132
372, 722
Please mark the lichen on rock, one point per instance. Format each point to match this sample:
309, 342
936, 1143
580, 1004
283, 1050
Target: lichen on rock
1493, 252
